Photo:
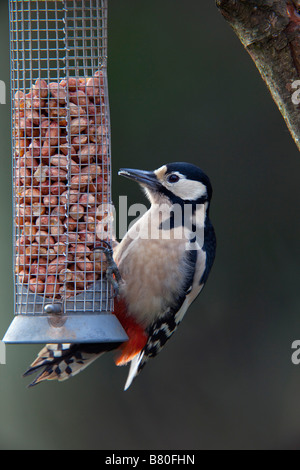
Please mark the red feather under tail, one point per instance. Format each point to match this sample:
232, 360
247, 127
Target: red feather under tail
136, 334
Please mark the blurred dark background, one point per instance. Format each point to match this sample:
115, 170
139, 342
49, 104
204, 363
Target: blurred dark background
183, 89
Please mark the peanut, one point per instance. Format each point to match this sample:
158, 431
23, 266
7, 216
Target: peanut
57, 265
76, 111
92, 170
51, 286
78, 97
66, 275
87, 153
57, 188
58, 91
58, 183
57, 174
76, 211
87, 199
21, 243
69, 197
84, 264
79, 249
41, 173
78, 141
70, 223
50, 200
34, 149
43, 238
30, 231
90, 222
57, 228
39, 271
51, 136
78, 125
40, 89
80, 182
69, 238
23, 277
36, 285
67, 290
37, 209
60, 248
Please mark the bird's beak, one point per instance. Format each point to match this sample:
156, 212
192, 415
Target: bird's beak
145, 178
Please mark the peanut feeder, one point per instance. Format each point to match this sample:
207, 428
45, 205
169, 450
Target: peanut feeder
61, 172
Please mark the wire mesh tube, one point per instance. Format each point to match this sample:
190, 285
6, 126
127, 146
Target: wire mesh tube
61, 163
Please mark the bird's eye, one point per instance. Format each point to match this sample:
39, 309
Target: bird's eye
173, 178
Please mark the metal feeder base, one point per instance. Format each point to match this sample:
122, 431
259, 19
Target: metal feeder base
47, 323
85, 328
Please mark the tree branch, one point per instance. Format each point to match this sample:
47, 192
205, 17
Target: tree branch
270, 32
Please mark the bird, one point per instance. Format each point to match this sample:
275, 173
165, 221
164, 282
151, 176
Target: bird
160, 267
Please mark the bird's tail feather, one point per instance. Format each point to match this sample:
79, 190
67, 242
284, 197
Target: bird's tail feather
136, 366
61, 361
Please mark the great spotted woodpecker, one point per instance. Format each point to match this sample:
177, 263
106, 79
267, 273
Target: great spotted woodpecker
163, 261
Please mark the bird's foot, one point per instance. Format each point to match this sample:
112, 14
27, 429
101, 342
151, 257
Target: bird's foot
112, 272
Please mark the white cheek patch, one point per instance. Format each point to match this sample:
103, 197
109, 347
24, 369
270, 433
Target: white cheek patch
188, 189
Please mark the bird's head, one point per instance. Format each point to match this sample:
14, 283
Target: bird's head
175, 182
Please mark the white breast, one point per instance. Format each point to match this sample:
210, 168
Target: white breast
154, 270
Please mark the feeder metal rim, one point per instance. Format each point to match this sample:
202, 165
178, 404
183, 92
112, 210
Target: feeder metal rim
95, 328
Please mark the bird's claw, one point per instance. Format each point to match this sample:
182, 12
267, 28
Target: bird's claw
112, 272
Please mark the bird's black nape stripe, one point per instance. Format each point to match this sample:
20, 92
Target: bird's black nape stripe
209, 246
